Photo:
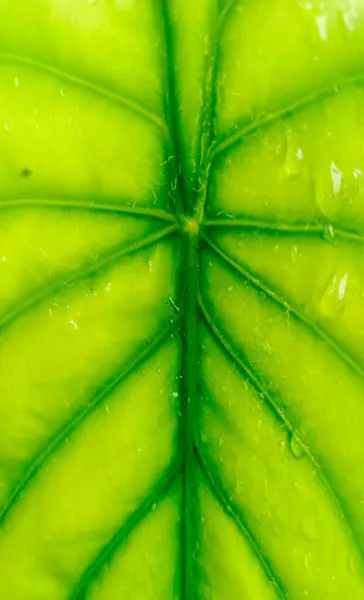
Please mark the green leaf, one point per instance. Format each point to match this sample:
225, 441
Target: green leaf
181, 300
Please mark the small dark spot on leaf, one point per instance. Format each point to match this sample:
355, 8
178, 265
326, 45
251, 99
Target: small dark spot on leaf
26, 172
91, 289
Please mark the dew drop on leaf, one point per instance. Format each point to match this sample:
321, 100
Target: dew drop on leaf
336, 178
329, 234
292, 158
321, 22
294, 254
352, 563
296, 448
333, 299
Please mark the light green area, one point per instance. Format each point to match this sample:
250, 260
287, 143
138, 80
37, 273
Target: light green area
151, 572
43, 113
181, 300
304, 167
227, 564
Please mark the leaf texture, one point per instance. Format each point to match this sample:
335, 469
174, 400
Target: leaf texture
181, 300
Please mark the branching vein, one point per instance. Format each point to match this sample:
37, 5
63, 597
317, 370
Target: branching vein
80, 417
117, 98
231, 140
89, 206
277, 297
105, 261
235, 514
323, 229
121, 536
280, 415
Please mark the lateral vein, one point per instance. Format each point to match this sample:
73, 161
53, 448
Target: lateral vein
235, 514
230, 140
106, 260
124, 531
121, 99
277, 297
281, 417
80, 417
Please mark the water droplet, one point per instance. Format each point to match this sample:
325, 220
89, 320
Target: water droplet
321, 22
292, 158
336, 178
306, 6
294, 254
73, 323
154, 507
328, 234
348, 19
342, 286
268, 348
297, 449
333, 299
352, 564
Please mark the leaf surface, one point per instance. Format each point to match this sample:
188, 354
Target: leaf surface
181, 300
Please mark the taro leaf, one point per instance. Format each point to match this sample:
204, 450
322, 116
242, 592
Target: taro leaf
182, 299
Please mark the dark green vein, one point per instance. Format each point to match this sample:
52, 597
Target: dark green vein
206, 124
79, 417
324, 229
121, 99
89, 206
104, 261
188, 296
240, 133
123, 533
245, 367
208, 114
248, 372
233, 512
189, 399
172, 115
226, 12
259, 284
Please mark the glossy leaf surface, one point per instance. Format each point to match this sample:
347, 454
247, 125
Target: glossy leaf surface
181, 300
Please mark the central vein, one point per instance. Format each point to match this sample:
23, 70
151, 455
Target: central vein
189, 210
188, 408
